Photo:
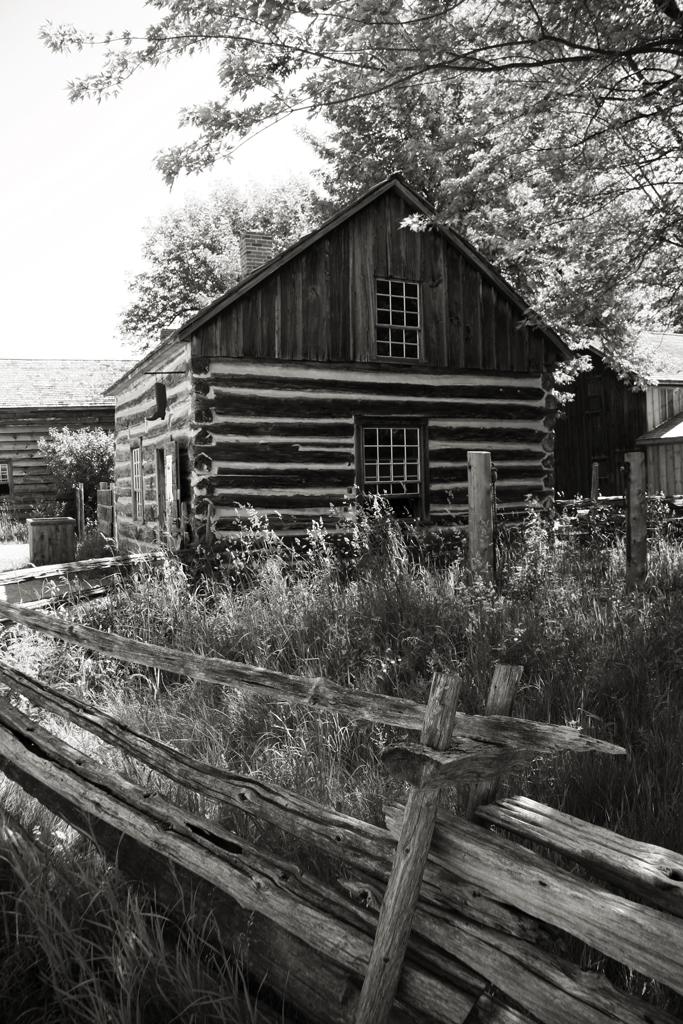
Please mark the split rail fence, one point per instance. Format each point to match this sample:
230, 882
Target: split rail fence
438, 918
40, 586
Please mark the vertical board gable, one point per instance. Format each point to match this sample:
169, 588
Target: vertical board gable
319, 306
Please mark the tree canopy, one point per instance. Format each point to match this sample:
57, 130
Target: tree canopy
549, 130
192, 253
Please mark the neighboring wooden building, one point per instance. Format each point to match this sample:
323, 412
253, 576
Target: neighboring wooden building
610, 416
365, 357
35, 395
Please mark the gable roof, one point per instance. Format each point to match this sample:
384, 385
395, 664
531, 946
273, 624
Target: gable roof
58, 383
667, 356
394, 183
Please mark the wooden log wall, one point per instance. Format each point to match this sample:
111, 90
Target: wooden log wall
282, 437
136, 425
20, 430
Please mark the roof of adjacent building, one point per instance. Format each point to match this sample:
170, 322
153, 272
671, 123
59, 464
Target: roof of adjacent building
667, 355
665, 433
58, 383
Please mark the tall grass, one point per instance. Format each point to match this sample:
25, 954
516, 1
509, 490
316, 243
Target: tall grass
79, 946
382, 610
12, 530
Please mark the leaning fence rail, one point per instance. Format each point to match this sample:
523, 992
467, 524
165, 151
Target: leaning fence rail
43, 585
476, 945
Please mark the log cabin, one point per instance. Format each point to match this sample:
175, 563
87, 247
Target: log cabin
610, 415
35, 395
367, 357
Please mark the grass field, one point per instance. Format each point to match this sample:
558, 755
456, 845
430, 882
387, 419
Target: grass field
382, 610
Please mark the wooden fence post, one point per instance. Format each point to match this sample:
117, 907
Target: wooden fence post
499, 700
636, 519
595, 480
480, 513
79, 495
403, 890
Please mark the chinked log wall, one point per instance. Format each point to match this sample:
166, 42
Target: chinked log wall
134, 426
281, 437
485, 902
20, 431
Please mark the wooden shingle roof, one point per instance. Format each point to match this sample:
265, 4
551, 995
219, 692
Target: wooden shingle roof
58, 383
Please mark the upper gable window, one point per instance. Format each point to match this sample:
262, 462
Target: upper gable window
398, 319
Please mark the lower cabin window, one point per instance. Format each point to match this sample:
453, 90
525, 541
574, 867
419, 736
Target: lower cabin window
137, 482
393, 465
5, 480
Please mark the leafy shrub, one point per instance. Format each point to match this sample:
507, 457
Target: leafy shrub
95, 545
78, 456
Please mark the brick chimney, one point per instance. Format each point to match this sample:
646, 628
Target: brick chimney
256, 248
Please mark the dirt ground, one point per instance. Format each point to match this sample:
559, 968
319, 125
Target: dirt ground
13, 556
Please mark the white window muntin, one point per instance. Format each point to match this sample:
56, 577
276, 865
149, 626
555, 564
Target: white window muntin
391, 459
397, 319
4, 472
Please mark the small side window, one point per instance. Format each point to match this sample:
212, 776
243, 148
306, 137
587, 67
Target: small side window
5, 479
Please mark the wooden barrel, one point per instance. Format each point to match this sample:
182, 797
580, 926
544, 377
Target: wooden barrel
51, 540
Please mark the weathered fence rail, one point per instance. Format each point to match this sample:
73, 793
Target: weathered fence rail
43, 585
313, 691
477, 947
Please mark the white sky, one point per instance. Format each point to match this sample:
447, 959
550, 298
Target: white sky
78, 182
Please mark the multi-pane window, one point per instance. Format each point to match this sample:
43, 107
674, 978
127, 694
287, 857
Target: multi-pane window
391, 460
136, 474
398, 319
5, 479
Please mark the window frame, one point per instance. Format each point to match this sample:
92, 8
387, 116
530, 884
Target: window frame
403, 359
161, 486
9, 481
137, 494
361, 423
